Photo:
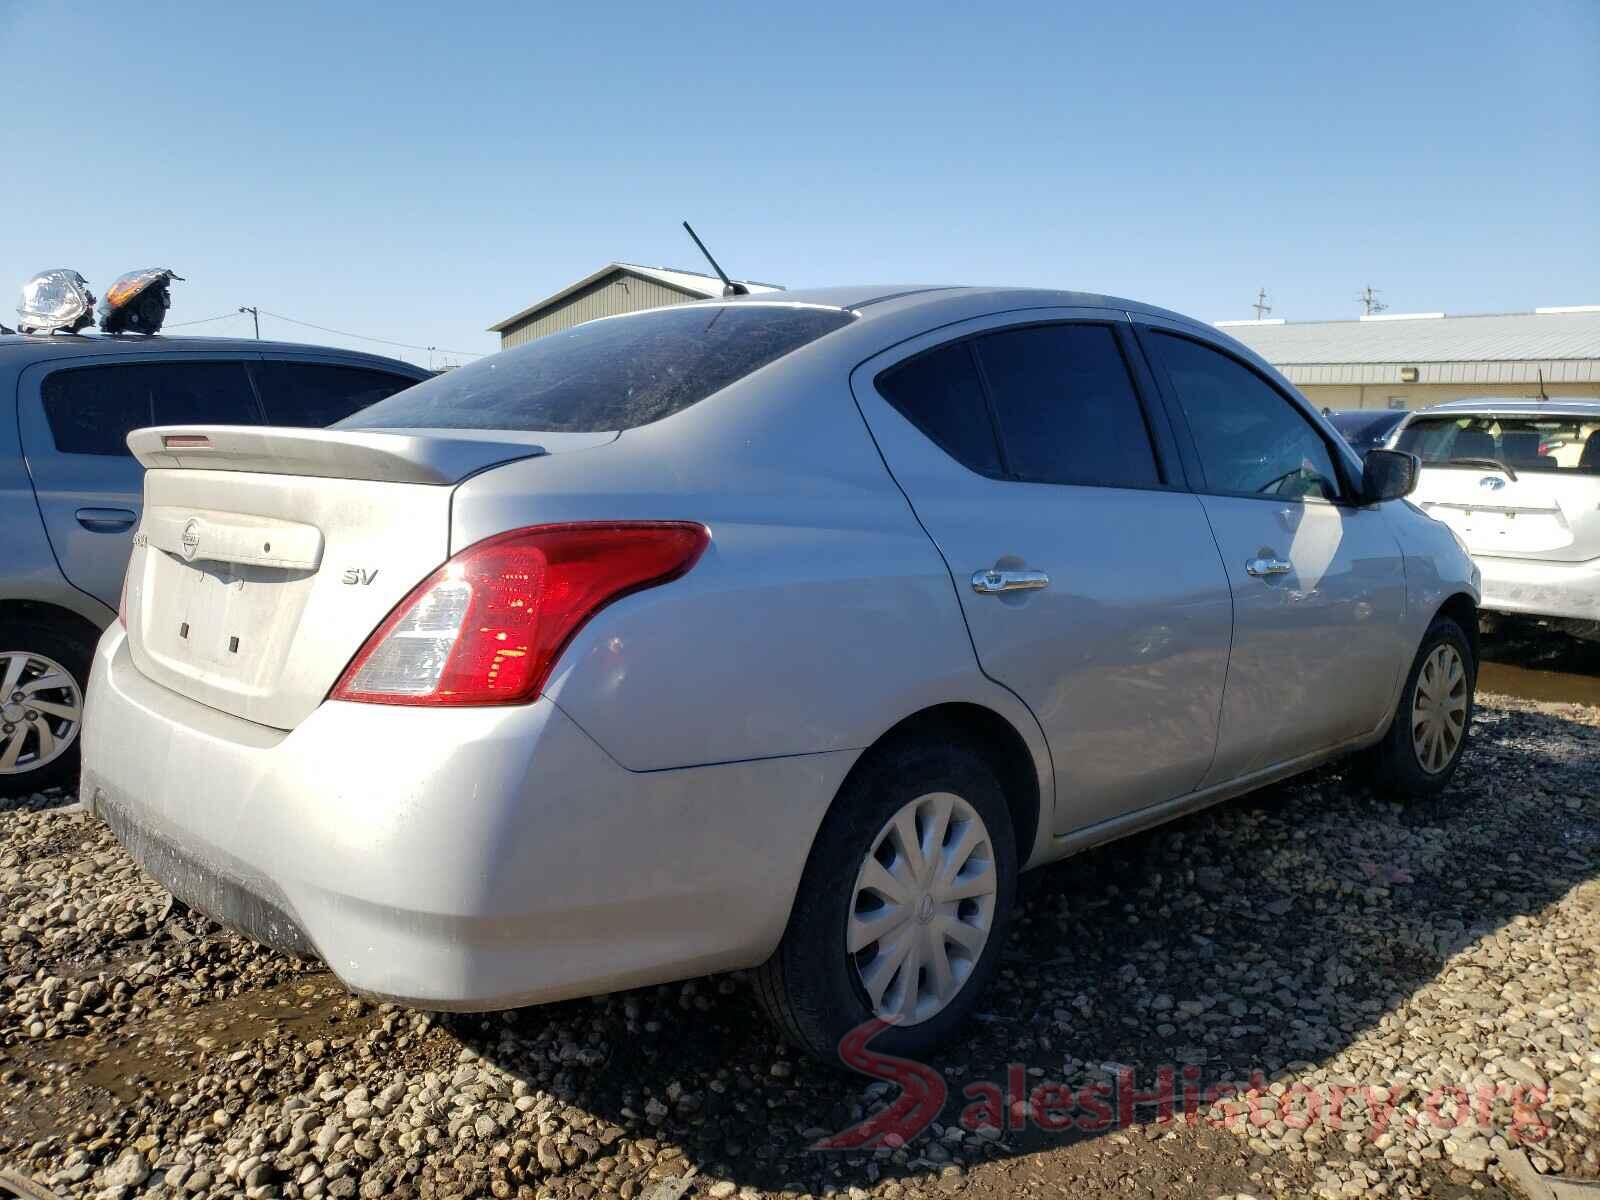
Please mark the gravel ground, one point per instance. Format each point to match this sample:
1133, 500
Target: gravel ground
1311, 943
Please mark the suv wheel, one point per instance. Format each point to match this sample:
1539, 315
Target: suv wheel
43, 669
903, 907
1420, 753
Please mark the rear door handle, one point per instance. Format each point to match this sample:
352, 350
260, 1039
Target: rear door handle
105, 520
1267, 566
993, 581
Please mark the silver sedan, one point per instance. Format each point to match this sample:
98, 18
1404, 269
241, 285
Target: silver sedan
778, 632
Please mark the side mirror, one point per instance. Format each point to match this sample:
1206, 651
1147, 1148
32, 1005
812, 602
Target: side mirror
1388, 475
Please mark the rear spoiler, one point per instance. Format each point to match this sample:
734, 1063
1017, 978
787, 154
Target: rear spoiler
413, 456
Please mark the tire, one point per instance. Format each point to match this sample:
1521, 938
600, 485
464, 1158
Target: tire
1397, 766
41, 647
813, 986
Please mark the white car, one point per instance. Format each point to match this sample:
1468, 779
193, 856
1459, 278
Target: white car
776, 632
1519, 481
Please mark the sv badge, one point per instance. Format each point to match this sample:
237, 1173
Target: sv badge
357, 576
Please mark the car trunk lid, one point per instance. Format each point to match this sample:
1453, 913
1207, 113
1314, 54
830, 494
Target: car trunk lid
1553, 515
267, 556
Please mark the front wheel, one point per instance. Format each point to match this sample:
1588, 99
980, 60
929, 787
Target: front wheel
1419, 755
903, 906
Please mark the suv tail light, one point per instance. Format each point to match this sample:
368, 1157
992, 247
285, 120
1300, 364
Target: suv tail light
488, 626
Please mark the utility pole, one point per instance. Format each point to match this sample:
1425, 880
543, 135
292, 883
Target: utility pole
255, 316
1261, 306
1370, 304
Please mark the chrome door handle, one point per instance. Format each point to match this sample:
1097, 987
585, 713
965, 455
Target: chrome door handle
1267, 566
105, 520
992, 582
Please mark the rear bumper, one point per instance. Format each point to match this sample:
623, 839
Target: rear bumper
451, 858
1546, 589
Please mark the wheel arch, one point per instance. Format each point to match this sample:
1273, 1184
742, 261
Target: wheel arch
14, 611
996, 740
1463, 610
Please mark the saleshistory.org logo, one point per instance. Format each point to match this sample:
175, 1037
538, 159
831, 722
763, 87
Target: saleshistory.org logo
1175, 1094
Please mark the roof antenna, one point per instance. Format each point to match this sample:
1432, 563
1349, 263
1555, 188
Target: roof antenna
729, 287
1542, 394
1261, 306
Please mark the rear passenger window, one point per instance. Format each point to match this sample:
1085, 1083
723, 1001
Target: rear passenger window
939, 392
318, 394
1066, 407
90, 410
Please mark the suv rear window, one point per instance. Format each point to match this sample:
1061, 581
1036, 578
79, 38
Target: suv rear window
612, 374
1542, 443
91, 409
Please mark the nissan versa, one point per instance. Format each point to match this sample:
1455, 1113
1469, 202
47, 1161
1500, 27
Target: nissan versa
773, 633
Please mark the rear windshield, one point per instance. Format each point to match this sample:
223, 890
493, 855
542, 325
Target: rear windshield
618, 373
1541, 443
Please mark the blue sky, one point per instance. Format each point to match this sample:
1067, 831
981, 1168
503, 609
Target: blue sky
417, 172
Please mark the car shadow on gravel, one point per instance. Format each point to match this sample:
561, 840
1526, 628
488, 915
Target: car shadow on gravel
1264, 935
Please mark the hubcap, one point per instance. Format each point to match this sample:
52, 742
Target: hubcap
923, 908
1439, 709
41, 709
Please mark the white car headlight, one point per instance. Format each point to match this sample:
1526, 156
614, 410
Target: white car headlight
57, 301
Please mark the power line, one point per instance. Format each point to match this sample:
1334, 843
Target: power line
365, 338
202, 320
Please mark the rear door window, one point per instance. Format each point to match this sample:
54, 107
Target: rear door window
318, 394
611, 374
940, 393
90, 410
1066, 408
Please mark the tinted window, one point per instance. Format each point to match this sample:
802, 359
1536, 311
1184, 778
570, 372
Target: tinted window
1251, 440
617, 373
940, 394
91, 409
318, 394
1066, 407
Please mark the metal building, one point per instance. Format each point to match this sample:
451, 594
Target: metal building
615, 288
1411, 360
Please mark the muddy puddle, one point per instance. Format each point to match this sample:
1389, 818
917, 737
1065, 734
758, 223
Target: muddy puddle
165, 1047
1532, 663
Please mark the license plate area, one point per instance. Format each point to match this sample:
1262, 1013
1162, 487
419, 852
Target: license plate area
223, 623
1528, 531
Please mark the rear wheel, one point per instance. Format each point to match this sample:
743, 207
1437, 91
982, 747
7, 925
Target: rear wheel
903, 907
43, 670
1420, 753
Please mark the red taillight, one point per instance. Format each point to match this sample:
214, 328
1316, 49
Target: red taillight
488, 626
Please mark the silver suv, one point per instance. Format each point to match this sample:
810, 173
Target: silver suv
70, 493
